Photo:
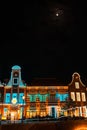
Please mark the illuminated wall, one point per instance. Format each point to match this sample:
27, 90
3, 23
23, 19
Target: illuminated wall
42, 97
48, 96
62, 97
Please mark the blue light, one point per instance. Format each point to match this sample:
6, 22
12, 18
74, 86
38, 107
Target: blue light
21, 97
7, 98
42, 97
62, 97
14, 95
16, 67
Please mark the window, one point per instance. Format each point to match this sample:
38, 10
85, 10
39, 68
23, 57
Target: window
83, 97
7, 99
78, 96
77, 85
62, 97
37, 96
44, 97
15, 81
14, 95
33, 98
73, 96
21, 97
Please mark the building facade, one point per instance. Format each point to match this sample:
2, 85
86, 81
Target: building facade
17, 99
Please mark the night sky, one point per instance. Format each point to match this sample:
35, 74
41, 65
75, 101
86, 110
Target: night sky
41, 43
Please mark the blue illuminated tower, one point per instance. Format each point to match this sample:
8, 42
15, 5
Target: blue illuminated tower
14, 93
15, 79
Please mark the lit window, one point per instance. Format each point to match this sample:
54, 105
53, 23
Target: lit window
77, 85
62, 97
14, 96
78, 96
21, 97
33, 98
7, 99
43, 98
83, 97
73, 96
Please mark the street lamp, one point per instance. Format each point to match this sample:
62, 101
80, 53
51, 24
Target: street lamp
23, 108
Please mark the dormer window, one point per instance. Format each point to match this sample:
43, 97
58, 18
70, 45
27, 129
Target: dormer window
15, 81
77, 85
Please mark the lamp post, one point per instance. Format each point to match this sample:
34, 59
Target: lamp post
23, 108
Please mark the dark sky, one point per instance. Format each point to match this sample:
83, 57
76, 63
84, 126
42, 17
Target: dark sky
44, 45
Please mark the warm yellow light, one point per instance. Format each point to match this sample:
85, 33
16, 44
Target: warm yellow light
3, 118
82, 128
23, 97
14, 101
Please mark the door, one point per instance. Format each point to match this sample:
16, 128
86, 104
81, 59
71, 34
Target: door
53, 112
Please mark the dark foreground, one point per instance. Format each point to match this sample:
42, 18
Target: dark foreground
63, 125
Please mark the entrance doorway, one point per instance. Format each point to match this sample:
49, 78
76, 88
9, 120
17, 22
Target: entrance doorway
53, 112
14, 115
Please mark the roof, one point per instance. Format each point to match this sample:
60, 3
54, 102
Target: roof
16, 67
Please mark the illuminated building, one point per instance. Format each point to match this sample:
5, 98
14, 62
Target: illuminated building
17, 99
